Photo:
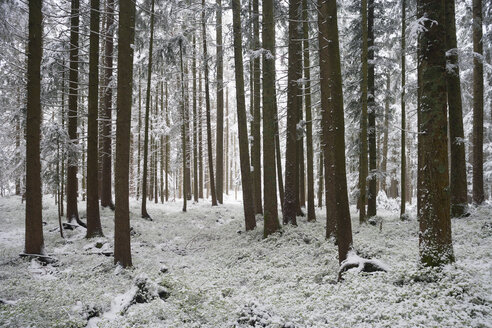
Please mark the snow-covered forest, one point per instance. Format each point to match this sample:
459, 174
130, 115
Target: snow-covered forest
254, 163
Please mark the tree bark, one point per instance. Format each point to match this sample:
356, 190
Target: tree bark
458, 185
371, 113
106, 197
34, 242
291, 200
311, 215
145, 214
363, 120
207, 110
338, 214
384, 155
270, 213
195, 128
219, 140
94, 228
433, 194
72, 183
248, 205
256, 111
126, 27
478, 194
403, 167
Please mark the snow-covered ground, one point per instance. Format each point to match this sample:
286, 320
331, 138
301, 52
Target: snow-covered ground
220, 276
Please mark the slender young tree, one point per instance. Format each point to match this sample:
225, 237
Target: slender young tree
248, 205
291, 200
94, 227
34, 242
72, 183
126, 28
256, 110
311, 215
432, 193
167, 147
219, 140
458, 184
145, 214
211, 178
371, 112
106, 197
195, 128
183, 127
337, 205
270, 210
363, 120
403, 168
200, 137
478, 194
162, 149
384, 156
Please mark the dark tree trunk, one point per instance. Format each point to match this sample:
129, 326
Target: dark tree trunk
248, 205
338, 214
320, 179
363, 121
200, 138
403, 167
195, 128
384, 155
458, 184
291, 200
145, 214
311, 215
94, 228
371, 113
126, 27
219, 140
207, 110
256, 111
270, 213
106, 197
433, 195
72, 183
183, 128
478, 194
34, 242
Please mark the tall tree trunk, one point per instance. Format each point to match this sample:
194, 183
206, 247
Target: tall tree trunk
156, 181
72, 183
458, 184
146, 215
269, 121
320, 179
338, 214
207, 110
371, 113
167, 146
363, 120
183, 128
200, 137
291, 201
34, 242
384, 156
433, 195
126, 27
94, 227
139, 132
248, 205
226, 168
403, 167
195, 128
256, 111
219, 142
162, 150
478, 194
106, 197
311, 215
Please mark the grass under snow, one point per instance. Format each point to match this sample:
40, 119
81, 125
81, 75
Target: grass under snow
218, 277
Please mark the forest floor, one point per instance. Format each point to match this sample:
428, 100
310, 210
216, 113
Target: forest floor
220, 276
